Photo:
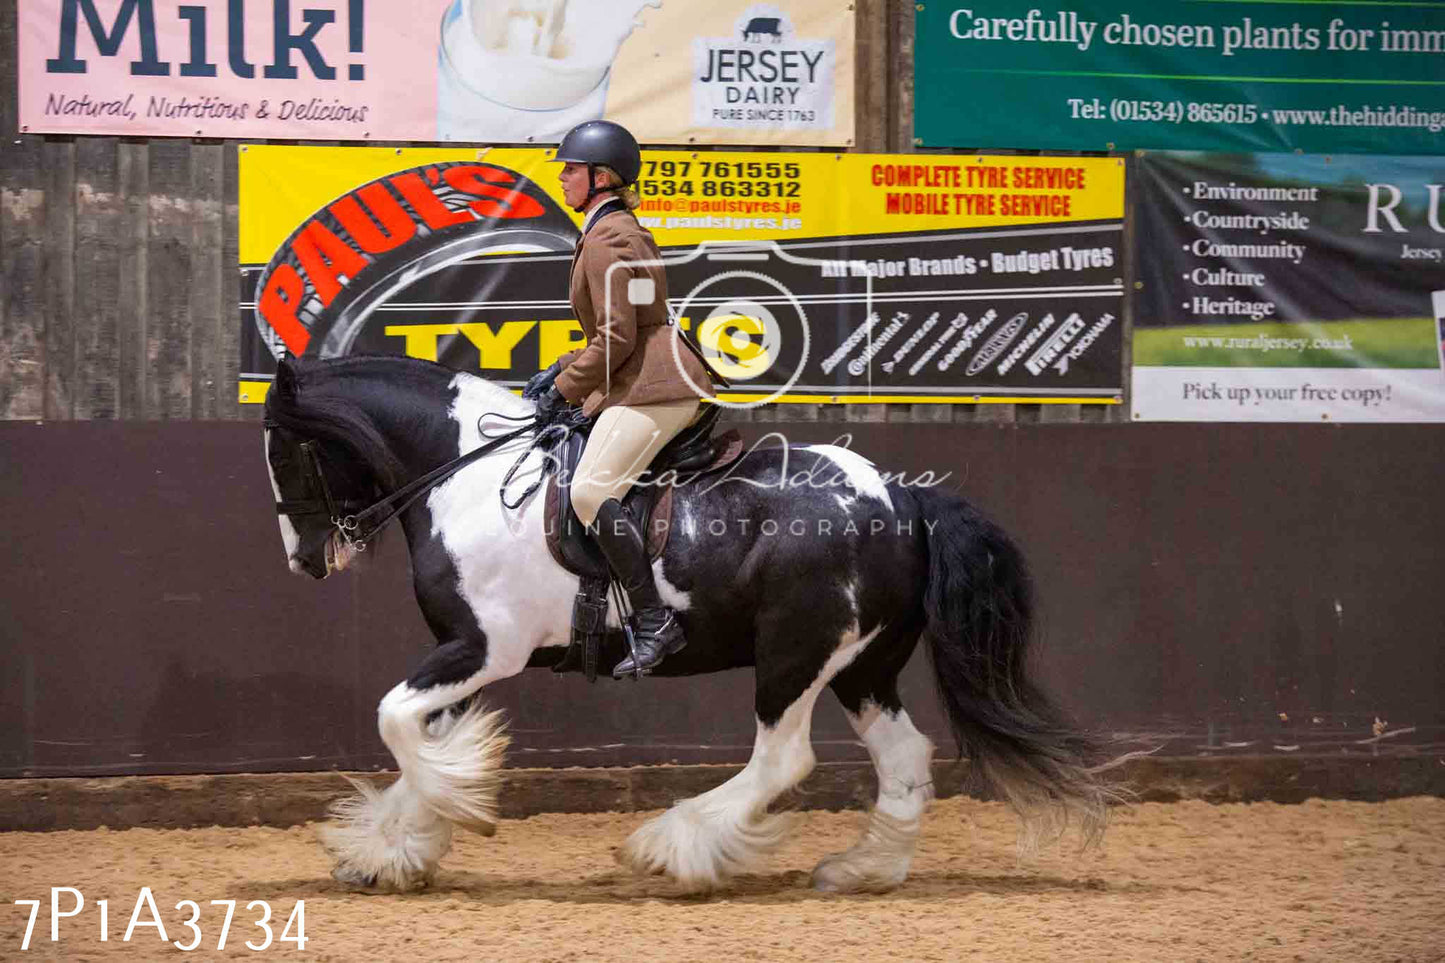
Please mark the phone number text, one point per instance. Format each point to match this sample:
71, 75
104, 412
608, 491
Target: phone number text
1178, 112
663, 187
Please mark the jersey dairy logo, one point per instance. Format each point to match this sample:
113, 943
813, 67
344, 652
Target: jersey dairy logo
763, 76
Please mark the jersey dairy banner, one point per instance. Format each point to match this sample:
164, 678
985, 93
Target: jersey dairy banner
1284, 287
801, 276
1229, 75
673, 71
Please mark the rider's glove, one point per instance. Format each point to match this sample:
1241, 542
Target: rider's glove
550, 405
542, 380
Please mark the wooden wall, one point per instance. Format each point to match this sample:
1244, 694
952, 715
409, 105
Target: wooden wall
1193, 594
118, 279
118, 263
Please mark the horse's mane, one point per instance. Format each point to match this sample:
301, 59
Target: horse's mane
326, 398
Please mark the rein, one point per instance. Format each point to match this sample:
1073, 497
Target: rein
548, 437
361, 527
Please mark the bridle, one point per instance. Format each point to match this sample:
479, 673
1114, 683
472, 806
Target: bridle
359, 522
338, 511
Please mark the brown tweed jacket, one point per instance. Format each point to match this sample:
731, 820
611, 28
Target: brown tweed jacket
629, 357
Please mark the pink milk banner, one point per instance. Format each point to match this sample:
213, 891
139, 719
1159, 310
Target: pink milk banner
497, 71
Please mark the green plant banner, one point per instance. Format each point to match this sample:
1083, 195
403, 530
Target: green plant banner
1286, 287
1227, 75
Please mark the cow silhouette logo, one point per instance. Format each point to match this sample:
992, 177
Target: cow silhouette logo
764, 76
763, 27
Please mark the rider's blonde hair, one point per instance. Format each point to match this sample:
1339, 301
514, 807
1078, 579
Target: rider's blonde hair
627, 195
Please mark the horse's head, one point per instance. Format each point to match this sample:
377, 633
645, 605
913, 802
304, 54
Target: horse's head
317, 481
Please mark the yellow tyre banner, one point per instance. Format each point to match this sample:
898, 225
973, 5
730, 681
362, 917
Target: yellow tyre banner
803, 276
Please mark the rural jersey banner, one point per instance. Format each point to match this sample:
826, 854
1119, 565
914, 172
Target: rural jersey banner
1311, 75
1280, 287
673, 71
803, 277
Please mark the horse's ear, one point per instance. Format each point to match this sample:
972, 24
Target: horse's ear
285, 384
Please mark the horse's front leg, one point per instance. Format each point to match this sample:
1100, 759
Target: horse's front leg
449, 750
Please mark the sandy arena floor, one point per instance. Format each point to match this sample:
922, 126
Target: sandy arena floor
1326, 881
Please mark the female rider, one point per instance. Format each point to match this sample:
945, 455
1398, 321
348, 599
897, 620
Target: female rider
642, 388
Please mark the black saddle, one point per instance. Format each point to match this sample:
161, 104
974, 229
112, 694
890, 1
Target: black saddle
695, 451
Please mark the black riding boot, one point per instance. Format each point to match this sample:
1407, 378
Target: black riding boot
656, 631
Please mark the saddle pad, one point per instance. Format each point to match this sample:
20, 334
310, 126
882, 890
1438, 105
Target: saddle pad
650, 505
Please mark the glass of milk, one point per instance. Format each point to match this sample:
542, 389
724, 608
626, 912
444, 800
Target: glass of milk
527, 70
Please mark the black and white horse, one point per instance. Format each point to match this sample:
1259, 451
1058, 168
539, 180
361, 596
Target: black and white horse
802, 561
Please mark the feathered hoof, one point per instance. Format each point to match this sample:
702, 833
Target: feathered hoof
701, 848
393, 875
840, 873
353, 877
877, 863
646, 852
392, 879
384, 842
631, 859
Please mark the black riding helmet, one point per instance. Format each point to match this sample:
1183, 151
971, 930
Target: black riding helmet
601, 143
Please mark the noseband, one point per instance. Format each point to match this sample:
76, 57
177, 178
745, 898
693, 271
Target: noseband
337, 511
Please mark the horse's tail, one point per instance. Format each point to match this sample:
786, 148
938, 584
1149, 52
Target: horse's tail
979, 606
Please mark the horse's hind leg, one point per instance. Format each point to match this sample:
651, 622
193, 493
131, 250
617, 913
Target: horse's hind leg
449, 751
902, 757
702, 841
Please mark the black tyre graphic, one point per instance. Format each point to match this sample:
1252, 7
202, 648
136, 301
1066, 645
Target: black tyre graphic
338, 328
